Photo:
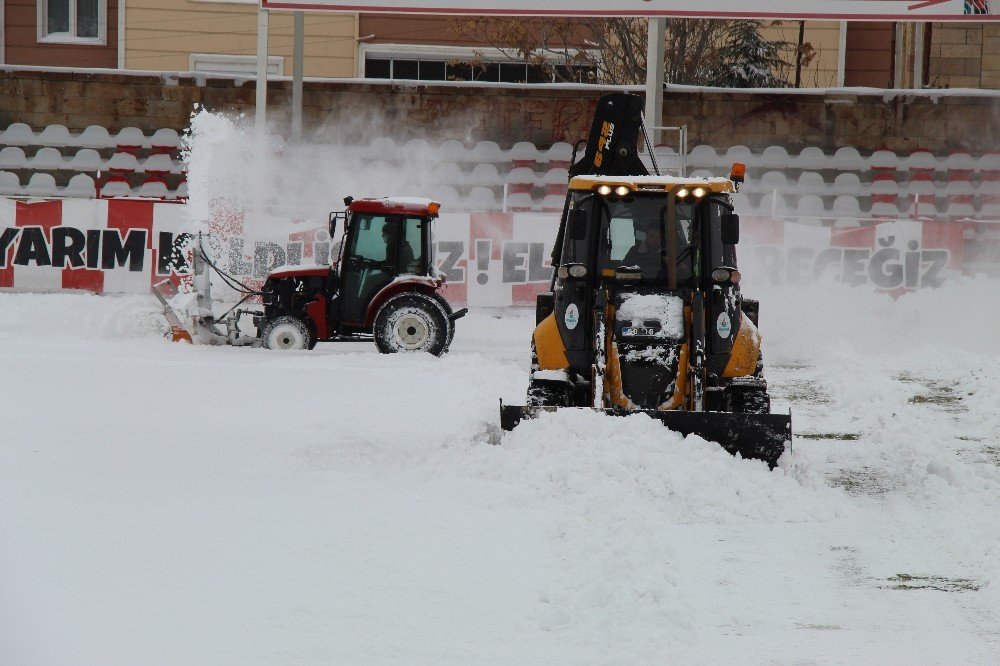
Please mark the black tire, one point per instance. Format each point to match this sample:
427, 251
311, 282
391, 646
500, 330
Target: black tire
747, 400
411, 322
545, 392
287, 332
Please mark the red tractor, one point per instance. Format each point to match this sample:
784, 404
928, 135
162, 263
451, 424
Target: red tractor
383, 286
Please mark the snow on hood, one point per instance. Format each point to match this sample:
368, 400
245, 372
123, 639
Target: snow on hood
663, 308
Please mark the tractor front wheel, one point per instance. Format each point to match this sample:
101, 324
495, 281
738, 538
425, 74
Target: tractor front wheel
287, 332
411, 323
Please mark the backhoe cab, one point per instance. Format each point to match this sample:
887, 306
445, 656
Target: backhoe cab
645, 312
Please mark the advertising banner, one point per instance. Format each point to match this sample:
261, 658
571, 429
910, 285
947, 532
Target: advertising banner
490, 259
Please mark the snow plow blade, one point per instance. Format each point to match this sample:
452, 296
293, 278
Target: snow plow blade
758, 436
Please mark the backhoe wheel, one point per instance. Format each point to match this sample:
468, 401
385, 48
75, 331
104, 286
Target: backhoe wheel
543, 392
287, 332
411, 323
748, 401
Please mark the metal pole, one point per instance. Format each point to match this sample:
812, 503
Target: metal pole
918, 57
297, 78
842, 54
654, 77
260, 112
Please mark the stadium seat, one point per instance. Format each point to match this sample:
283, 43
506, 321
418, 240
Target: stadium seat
94, 136
18, 134
81, 185
774, 157
520, 180
130, 140
12, 157
85, 159
485, 175
41, 185
56, 136
47, 158
482, 198
523, 154
810, 182
558, 156
811, 158
703, 156
10, 184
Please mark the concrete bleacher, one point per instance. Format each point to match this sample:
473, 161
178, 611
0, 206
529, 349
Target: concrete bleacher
54, 162
826, 188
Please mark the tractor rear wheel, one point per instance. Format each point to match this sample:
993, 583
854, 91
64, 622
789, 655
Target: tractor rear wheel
411, 323
287, 332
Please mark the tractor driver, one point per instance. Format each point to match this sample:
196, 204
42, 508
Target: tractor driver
404, 261
648, 253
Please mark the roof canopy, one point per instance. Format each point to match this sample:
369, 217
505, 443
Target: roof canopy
906, 10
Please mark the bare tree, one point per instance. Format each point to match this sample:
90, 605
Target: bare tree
613, 50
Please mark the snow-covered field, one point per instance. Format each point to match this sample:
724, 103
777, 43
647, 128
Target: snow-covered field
167, 504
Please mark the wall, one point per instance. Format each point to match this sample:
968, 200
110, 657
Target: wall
540, 114
160, 34
21, 45
824, 36
965, 55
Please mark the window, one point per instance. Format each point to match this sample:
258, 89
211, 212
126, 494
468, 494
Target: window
72, 21
413, 250
368, 241
417, 62
220, 63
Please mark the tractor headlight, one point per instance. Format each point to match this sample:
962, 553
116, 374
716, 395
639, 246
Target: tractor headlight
621, 190
604, 190
699, 192
681, 193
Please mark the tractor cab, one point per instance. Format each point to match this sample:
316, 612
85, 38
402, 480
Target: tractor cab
385, 241
383, 285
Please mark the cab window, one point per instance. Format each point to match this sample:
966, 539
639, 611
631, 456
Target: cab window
368, 242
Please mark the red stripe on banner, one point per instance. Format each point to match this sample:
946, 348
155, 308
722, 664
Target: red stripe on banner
44, 214
525, 294
948, 236
861, 237
456, 293
496, 227
126, 214
764, 230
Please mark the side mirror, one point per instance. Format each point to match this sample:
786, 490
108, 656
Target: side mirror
333, 225
730, 228
577, 223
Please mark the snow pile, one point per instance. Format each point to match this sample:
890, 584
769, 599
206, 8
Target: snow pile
803, 322
76, 316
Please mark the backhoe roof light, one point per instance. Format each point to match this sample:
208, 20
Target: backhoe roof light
681, 193
738, 172
604, 190
621, 190
699, 192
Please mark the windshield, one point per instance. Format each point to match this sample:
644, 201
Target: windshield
635, 234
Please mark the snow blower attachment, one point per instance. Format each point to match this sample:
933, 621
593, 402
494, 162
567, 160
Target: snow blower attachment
645, 313
383, 287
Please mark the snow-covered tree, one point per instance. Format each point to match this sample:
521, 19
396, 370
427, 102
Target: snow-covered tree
747, 60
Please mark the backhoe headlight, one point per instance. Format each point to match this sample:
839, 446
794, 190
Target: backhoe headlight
604, 190
681, 193
572, 270
621, 190
699, 192
726, 275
